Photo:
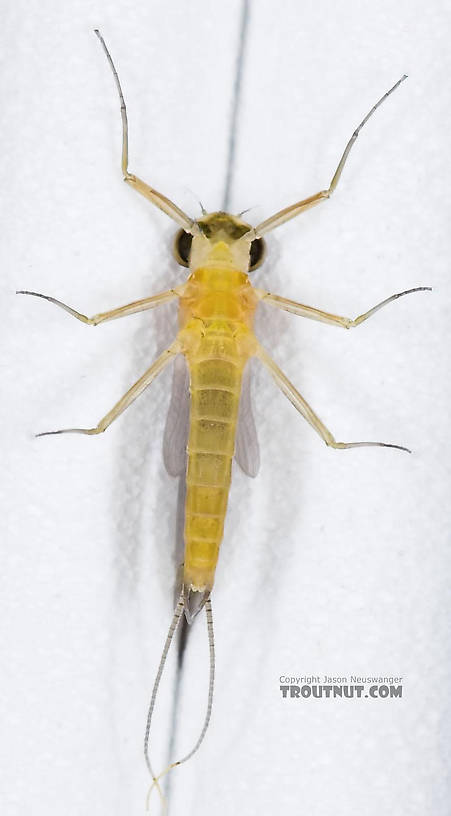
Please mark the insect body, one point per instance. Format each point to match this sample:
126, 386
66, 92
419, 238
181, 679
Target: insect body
216, 309
216, 338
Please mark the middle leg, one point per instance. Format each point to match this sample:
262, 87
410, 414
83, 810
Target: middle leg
326, 317
121, 311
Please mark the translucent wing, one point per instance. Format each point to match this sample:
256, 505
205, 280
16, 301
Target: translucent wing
247, 452
176, 431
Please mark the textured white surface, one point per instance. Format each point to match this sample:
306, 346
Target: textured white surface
332, 562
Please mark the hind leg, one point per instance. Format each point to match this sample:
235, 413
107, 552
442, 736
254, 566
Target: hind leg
140, 385
307, 412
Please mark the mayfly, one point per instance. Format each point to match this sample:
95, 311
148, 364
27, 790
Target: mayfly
214, 344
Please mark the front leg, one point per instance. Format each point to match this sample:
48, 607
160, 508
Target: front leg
326, 317
121, 311
161, 201
287, 213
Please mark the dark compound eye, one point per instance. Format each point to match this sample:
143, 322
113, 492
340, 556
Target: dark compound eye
182, 247
256, 254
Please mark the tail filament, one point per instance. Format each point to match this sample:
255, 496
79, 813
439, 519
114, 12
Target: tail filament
211, 645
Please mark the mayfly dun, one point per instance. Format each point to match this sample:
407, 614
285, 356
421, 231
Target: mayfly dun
210, 419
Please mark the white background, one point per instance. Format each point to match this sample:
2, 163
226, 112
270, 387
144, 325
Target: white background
332, 562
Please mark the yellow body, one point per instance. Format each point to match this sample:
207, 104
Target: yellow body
217, 306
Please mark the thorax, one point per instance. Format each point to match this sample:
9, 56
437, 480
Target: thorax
218, 293
217, 305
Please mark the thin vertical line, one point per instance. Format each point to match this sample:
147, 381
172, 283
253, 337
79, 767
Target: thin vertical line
236, 99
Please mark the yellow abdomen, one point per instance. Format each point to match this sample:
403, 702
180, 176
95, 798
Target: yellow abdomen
215, 377
220, 317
